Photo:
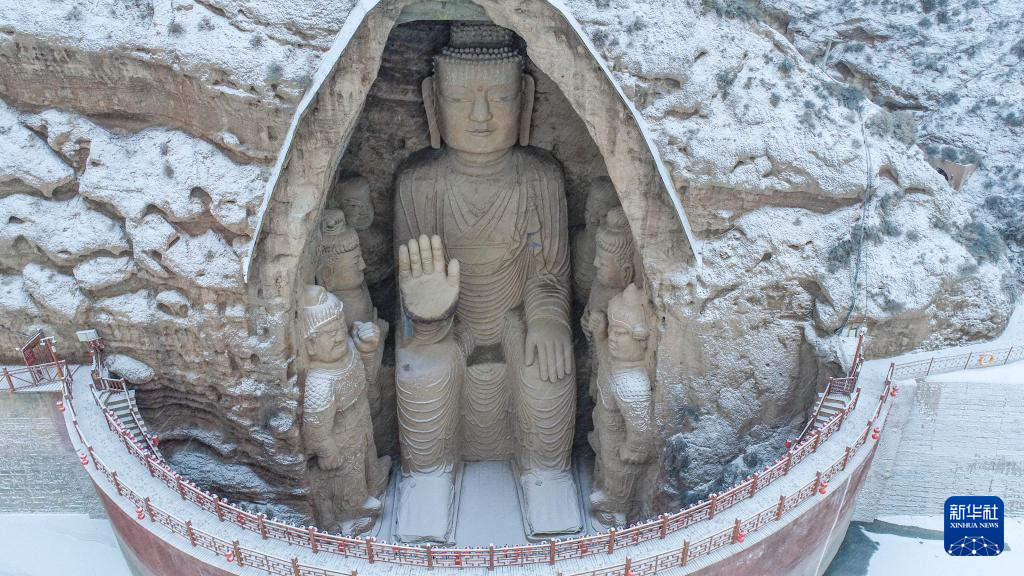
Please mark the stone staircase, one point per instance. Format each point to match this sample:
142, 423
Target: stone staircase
831, 405
123, 406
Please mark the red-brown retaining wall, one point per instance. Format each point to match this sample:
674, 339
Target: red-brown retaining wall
149, 555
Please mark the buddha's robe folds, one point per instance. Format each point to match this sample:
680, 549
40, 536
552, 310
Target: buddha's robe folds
508, 228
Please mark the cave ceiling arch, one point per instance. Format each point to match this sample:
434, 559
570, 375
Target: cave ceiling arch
325, 119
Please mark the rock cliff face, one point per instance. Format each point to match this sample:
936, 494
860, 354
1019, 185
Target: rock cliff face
955, 69
136, 140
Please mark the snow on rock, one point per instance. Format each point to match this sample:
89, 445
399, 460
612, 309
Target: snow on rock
174, 303
25, 158
104, 271
133, 308
14, 298
129, 368
181, 176
193, 36
206, 261
954, 67
65, 230
732, 104
219, 475
55, 292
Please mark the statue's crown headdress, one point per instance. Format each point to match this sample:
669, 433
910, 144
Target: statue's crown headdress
629, 310
484, 46
318, 308
343, 238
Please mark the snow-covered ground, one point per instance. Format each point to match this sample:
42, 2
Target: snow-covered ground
914, 545
905, 544
53, 544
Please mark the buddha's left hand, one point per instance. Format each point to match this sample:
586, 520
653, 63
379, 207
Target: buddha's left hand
549, 343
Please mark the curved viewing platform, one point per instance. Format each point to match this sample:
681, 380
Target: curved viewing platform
137, 480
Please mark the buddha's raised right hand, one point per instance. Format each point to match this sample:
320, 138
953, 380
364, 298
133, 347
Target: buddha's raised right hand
429, 287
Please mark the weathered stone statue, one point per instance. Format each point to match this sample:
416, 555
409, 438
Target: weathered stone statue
347, 477
339, 269
431, 372
601, 198
622, 413
612, 264
355, 201
613, 271
499, 209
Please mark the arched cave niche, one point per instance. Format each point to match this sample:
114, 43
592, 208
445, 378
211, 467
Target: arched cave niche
364, 117
392, 128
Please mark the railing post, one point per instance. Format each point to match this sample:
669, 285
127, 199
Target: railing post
262, 521
117, 483
611, 540
149, 465
856, 355
817, 482
149, 509
685, 556
191, 532
663, 531
92, 456
817, 440
369, 549
781, 508
714, 506
217, 507
430, 557
551, 551
846, 458
629, 564
179, 485
753, 484
490, 557
311, 530
238, 553
789, 462
295, 567
10, 382
736, 531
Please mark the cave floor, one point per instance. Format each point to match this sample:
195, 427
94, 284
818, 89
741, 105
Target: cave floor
489, 510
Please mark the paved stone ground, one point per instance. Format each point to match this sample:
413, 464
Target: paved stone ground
951, 438
39, 471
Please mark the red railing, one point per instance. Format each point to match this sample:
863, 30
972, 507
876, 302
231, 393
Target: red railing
543, 553
34, 376
845, 385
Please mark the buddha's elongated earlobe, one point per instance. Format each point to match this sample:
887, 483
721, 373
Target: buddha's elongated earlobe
526, 114
430, 106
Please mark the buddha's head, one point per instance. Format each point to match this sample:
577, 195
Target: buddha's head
614, 252
479, 100
341, 259
354, 197
323, 324
600, 199
628, 330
